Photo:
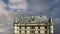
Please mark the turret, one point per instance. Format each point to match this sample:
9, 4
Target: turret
51, 25
16, 26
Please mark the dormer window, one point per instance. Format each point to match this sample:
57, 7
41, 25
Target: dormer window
32, 18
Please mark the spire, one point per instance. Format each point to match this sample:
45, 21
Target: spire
50, 20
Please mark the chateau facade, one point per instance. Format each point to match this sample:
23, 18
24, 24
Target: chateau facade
33, 25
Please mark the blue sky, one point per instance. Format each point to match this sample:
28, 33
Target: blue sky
10, 9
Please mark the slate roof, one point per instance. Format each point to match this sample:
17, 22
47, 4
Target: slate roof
37, 18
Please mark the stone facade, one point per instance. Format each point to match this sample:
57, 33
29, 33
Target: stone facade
33, 25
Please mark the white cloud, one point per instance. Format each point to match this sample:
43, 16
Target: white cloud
2, 10
21, 4
5, 12
15, 1
6, 18
1, 30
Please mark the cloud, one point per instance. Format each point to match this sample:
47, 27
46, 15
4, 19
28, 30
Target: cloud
26, 7
6, 19
17, 4
1, 30
1, 8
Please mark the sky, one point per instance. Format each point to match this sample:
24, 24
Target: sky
10, 9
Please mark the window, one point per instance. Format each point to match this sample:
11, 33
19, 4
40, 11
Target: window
25, 27
45, 27
32, 32
20, 27
20, 31
32, 27
25, 32
29, 20
45, 31
33, 19
38, 31
38, 27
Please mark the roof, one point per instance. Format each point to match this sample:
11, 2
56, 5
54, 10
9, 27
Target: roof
36, 18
